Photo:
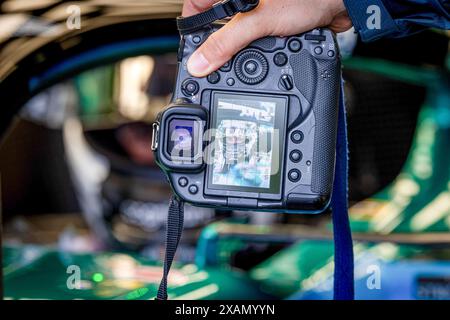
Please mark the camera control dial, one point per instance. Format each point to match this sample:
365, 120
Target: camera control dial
251, 67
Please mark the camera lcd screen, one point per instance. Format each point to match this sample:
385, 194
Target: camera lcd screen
248, 142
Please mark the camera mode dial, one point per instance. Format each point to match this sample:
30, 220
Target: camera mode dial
251, 67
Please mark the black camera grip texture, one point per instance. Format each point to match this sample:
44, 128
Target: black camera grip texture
266, 43
324, 97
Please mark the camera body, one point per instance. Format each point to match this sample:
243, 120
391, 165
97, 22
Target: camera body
258, 134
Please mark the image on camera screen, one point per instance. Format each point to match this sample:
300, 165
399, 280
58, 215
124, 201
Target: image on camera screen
244, 138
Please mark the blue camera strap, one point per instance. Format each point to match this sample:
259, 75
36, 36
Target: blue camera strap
343, 244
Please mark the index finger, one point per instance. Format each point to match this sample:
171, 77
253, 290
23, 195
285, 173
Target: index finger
191, 7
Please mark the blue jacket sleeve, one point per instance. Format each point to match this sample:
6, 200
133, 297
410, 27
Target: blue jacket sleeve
374, 19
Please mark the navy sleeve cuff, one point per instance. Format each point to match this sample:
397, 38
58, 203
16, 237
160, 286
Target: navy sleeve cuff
363, 14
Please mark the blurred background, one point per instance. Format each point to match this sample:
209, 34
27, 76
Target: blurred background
84, 205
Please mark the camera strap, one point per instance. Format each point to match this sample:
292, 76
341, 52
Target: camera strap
218, 11
342, 234
174, 230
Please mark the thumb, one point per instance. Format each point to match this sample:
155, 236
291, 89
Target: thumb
223, 44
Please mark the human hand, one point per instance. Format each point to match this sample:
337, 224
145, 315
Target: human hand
270, 18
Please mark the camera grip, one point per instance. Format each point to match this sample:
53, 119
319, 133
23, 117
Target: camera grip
324, 98
325, 107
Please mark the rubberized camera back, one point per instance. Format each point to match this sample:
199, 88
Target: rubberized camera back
325, 108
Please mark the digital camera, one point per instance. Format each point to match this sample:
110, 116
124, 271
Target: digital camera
260, 132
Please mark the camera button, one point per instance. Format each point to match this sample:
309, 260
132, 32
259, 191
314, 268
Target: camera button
190, 87
295, 45
318, 50
296, 156
280, 59
226, 67
294, 175
230, 82
213, 78
251, 67
315, 37
196, 39
286, 82
183, 182
297, 136
331, 53
193, 189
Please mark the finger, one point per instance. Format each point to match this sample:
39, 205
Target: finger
191, 7
223, 44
